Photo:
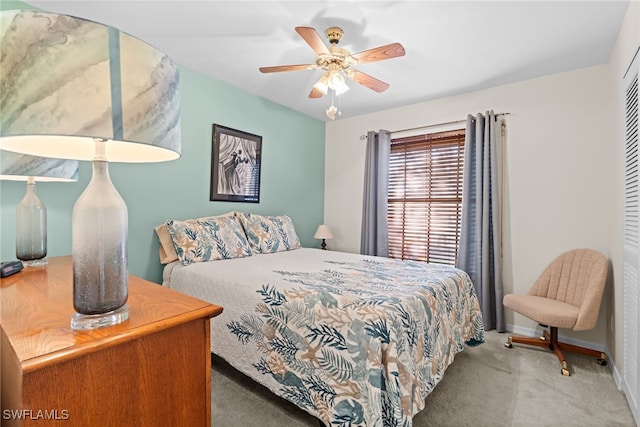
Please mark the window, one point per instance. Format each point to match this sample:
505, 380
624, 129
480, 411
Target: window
425, 196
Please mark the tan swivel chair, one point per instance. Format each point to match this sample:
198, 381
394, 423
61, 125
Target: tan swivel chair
567, 294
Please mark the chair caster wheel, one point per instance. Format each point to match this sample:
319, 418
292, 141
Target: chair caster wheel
508, 345
565, 372
600, 361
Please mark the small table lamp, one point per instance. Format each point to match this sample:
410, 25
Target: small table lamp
31, 212
76, 89
323, 232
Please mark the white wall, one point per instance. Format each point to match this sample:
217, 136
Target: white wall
562, 170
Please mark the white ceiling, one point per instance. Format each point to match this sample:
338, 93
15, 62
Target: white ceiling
452, 47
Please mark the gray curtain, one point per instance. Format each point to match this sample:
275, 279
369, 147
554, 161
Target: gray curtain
374, 237
479, 252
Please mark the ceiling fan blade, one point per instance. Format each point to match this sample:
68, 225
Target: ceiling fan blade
315, 93
388, 51
279, 68
368, 81
311, 36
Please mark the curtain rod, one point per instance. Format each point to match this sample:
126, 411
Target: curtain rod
453, 122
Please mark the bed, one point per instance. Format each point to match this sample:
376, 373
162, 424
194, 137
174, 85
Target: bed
351, 339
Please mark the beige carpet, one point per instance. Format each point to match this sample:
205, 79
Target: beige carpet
488, 385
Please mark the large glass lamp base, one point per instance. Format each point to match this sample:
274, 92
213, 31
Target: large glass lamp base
80, 322
35, 262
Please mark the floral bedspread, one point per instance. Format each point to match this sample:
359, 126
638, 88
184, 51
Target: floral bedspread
353, 340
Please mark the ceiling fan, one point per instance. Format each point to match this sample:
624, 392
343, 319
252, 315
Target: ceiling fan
337, 61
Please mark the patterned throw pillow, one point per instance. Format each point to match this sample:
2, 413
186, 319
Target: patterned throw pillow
208, 239
166, 250
269, 234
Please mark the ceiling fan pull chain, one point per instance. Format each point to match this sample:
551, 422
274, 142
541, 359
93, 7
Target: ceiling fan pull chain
331, 111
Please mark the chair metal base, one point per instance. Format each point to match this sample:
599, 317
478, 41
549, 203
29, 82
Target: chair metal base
550, 341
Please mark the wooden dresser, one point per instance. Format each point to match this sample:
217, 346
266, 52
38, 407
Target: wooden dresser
152, 370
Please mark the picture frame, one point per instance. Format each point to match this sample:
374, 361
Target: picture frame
236, 161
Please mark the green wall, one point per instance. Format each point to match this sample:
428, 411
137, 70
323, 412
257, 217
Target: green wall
292, 176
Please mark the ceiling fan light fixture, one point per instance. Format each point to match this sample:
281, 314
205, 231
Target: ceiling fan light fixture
337, 83
323, 84
335, 79
341, 88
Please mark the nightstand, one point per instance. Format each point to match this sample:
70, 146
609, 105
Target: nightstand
151, 370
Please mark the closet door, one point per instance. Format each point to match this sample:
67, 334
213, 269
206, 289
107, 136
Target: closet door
631, 240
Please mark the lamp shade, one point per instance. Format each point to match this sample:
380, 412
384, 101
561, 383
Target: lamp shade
67, 81
337, 83
21, 167
323, 232
322, 84
76, 89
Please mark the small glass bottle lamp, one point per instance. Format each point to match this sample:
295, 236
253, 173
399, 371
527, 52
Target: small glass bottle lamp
31, 212
323, 232
110, 98
31, 228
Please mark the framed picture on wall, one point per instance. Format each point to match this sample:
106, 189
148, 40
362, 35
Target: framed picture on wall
236, 158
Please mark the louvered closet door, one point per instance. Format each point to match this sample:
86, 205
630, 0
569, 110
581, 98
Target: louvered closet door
631, 242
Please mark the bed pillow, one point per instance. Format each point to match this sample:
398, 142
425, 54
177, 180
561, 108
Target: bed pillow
269, 234
208, 239
167, 251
